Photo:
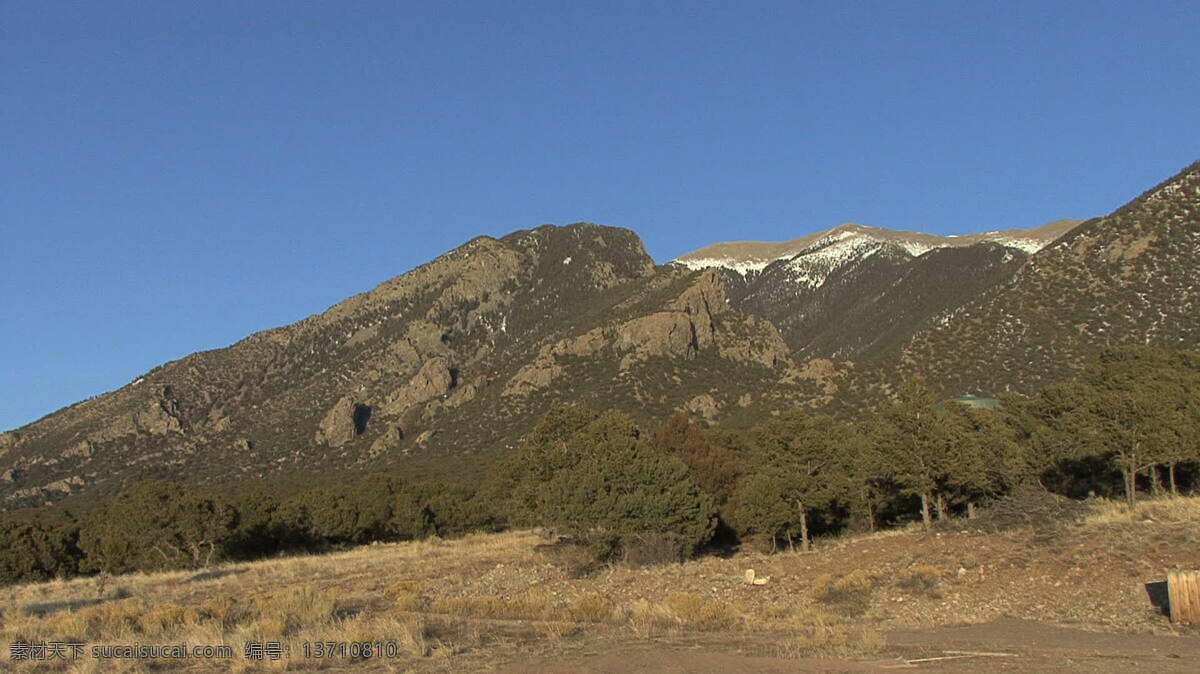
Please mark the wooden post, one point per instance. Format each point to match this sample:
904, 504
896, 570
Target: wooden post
1183, 593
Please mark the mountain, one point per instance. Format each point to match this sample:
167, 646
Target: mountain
752, 256
856, 292
1131, 277
446, 366
456, 357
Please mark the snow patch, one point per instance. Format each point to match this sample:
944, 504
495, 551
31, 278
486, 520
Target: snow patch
567, 260
916, 249
1030, 246
742, 267
812, 269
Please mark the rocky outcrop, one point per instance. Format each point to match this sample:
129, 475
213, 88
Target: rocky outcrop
544, 369
433, 380
704, 406
161, 415
391, 439
65, 486
82, 449
342, 423
666, 333
536, 375
754, 340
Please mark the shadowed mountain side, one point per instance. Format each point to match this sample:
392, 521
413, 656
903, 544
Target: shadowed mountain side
875, 297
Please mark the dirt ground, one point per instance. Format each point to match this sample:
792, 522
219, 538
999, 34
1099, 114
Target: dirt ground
1008, 644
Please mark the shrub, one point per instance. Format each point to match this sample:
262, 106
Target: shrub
35, 551
156, 526
921, 579
849, 593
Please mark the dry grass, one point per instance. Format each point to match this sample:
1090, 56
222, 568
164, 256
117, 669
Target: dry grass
1168, 510
848, 593
823, 636
592, 608
470, 603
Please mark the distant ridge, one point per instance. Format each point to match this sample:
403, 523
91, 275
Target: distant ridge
748, 256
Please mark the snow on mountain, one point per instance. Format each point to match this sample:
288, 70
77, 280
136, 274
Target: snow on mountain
852, 241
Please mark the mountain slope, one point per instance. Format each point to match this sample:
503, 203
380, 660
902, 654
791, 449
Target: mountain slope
457, 356
1127, 278
864, 298
856, 292
454, 360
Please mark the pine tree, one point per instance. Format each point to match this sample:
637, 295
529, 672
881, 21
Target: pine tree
803, 459
916, 440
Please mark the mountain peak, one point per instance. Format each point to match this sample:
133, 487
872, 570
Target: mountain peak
746, 257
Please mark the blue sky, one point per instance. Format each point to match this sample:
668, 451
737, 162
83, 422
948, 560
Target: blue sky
177, 175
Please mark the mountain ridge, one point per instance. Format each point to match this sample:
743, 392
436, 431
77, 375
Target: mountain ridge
456, 358
746, 256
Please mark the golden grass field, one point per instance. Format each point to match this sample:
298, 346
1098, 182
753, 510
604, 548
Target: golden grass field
489, 600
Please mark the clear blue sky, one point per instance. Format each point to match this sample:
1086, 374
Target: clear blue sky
177, 175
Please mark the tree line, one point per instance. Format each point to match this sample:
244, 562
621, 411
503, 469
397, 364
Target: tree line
1129, 423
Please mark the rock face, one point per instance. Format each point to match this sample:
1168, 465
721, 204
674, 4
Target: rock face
341, 424
434, 379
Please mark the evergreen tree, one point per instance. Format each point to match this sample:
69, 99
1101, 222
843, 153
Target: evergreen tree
712, 461
917, 441
1129, 407
803, 460
607, 481
35, 551
155, 526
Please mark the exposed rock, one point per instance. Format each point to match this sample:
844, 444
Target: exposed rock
587, 344
243, 444
66, 485
423, 339
702, 302
218, 422
463, 393
391, 439
11, 475
744, 400
343, 423
424, 438
160, 416
666, 333
7, 441
28, 492
83, 448
754, 340
703, 405
435, 378
536, 375
544, 369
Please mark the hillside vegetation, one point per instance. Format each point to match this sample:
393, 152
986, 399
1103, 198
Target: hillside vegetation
616, 492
